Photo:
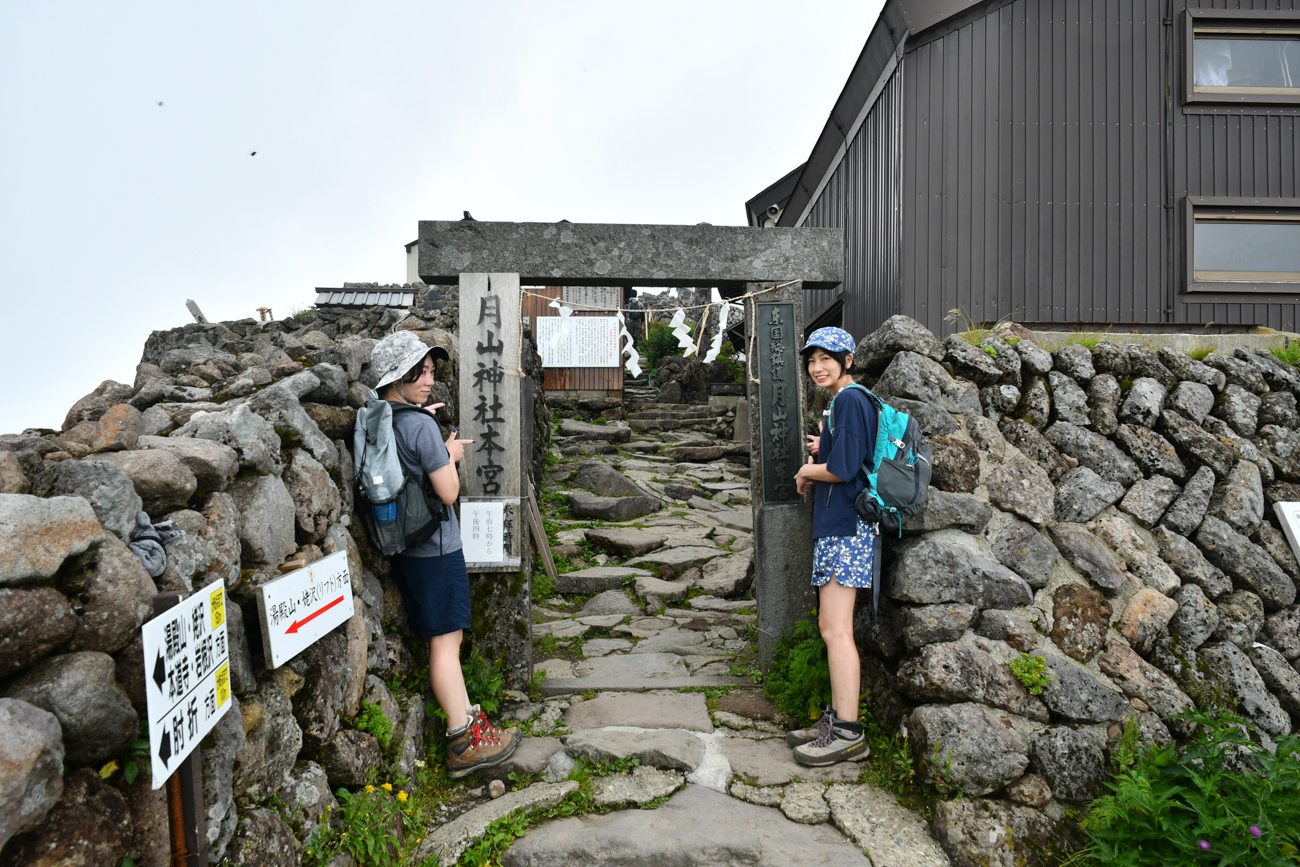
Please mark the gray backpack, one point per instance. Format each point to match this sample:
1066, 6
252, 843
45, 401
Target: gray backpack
398, 511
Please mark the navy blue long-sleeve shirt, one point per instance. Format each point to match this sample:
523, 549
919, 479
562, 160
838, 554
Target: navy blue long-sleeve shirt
843, 453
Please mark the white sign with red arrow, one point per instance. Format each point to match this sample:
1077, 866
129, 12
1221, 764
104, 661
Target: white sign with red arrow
300, 608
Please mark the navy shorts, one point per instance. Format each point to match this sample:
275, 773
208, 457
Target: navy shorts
435, 591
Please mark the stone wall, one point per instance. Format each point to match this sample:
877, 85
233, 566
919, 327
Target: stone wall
1108, 510
240, 433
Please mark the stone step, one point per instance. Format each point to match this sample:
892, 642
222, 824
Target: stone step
692, 414
697, 827
568, 685
653, 424
633, 407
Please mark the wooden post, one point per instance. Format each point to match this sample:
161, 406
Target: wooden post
493, 407
491, 340
186, 817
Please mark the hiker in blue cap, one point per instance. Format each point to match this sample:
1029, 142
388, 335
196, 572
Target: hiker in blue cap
843, 544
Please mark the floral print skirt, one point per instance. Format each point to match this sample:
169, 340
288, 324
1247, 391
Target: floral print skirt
847, 559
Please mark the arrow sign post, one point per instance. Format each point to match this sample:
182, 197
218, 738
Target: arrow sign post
187, 688
303, 606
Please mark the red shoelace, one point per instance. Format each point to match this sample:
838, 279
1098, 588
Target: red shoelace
481, 732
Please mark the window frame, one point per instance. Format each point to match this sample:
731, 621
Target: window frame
1224, 205
1285, 22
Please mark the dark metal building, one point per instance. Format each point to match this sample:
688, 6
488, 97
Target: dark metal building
1130, 163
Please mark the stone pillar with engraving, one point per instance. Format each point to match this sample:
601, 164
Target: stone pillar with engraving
494, 490
782, 518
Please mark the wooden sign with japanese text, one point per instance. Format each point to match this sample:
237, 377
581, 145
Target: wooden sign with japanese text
491, 343
187, 677
302, 607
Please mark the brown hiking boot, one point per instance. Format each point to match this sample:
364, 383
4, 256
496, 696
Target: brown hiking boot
481, 745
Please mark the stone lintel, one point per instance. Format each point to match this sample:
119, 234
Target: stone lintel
598, 254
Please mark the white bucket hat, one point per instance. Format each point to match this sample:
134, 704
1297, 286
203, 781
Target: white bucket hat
397, 353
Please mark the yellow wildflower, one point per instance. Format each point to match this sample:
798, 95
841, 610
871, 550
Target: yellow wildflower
401, 796
388, 787
370, 788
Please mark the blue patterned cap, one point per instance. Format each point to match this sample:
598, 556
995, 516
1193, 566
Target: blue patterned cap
830, 339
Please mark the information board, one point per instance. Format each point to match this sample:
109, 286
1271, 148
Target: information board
593, 297
481, 532
187, 677
578, 341
300, 608
1288, 514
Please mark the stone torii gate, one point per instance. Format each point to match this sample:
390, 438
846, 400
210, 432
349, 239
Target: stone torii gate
770, 268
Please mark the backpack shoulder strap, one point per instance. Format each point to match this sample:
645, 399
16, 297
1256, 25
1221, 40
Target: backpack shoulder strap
830, 411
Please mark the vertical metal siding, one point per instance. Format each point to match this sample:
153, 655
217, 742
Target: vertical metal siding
1032, 165
1234, 154
864, 197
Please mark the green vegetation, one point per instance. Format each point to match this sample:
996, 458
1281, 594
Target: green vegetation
1085, 338
496, 839
1225, 800
504, 831
371, 720
484, 682
535, 685
1289, 352
1199, 352
1031, 671
799, 680
556, 499
728, 357
970, 330
543, 586
660, 343
990, 351
135, 760
364, 827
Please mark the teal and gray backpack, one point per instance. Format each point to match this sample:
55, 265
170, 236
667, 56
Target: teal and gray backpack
898, 473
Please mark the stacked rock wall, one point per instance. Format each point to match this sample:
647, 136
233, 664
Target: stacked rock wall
1108, 510
240, 434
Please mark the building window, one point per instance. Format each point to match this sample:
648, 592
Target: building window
1242, 57
1243, 245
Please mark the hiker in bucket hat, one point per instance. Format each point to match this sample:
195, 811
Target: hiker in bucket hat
843, 543
432, 576
398, 354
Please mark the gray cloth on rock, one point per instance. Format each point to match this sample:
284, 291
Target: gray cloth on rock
149, 541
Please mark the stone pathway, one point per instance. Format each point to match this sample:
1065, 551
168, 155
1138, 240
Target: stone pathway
649, 652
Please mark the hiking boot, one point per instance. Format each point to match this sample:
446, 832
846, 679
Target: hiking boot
836, 745
481, 745
799, 737
476, 712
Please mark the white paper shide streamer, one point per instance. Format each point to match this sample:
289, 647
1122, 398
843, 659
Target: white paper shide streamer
678, 325
564, 333
724, 319
633, 357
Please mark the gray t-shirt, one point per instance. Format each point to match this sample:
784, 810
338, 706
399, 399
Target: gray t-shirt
421, 450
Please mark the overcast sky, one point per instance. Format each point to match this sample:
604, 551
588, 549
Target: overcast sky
127, 130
